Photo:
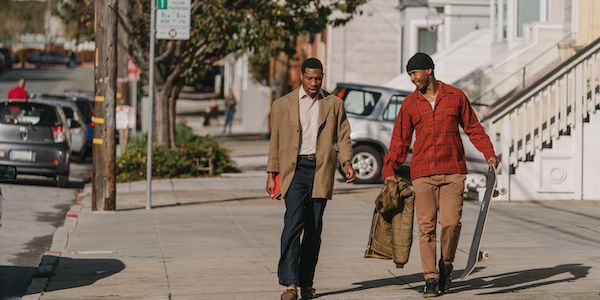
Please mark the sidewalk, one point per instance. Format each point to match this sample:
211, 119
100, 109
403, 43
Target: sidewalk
218, 238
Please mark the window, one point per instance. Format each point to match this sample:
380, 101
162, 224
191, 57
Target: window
427, 40
391, 111
527, 11
21, 113
68, 112
360, 102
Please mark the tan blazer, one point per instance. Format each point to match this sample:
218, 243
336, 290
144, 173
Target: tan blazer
333, 141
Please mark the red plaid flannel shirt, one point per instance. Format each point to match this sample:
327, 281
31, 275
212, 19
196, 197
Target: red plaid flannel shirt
438, 147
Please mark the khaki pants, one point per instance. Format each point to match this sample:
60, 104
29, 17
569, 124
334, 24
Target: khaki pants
443, 194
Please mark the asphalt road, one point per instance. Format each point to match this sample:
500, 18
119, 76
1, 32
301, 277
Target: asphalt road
33, 206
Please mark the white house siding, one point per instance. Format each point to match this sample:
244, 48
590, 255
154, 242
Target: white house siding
464, 19
365, 50
456, 19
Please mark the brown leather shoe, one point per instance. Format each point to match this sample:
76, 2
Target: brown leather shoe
308, 293
289, 294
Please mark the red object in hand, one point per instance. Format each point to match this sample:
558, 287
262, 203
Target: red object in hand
277, 189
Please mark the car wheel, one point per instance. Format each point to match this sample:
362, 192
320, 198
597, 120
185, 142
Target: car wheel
367, 163
62, 180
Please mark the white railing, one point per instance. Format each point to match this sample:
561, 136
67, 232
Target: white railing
555, 106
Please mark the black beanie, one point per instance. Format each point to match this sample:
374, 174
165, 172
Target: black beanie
419, 61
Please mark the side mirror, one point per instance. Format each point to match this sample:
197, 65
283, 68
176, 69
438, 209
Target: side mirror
8, 173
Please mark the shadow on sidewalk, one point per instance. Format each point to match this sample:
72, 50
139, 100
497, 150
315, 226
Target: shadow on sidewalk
373, 284
507, 281
526, 279
72, 273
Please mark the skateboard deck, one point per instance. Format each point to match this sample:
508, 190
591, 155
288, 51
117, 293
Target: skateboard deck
475, 253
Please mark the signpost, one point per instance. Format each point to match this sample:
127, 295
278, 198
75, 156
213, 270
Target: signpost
171, 21
133, 74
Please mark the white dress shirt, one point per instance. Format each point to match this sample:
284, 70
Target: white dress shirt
309, 118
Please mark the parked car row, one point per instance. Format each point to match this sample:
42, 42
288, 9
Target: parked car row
40, 58
42, 135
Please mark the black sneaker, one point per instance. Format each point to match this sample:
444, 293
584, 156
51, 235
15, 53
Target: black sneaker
445, 281
431, 288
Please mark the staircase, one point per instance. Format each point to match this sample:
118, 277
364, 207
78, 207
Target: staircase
510, 69
548, 134
458, 60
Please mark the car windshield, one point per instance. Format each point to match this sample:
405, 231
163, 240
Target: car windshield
360, 102
24, 113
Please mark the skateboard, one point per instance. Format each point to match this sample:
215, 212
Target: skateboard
475, 253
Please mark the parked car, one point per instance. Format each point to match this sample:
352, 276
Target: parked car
85, 102
35, 138
70, 60
7, 173
75, 120
371, 112
9, 58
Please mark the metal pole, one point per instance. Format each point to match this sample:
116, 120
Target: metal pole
134, 104
150, 109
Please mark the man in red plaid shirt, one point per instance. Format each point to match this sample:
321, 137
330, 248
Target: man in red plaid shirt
437, 169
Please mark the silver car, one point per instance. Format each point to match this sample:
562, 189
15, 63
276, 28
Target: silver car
371, 112
35, 138
75, 120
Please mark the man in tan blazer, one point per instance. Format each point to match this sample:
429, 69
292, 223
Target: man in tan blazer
310, 134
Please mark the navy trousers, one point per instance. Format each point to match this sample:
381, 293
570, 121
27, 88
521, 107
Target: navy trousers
303, 223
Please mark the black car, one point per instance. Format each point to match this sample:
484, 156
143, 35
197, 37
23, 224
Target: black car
35, 138
70, 60
9, 58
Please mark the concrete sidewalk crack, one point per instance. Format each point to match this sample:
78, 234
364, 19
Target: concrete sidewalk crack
173, 191
162, 252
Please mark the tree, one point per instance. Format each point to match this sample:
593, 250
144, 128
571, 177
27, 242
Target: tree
20, 17
78, 18
219, 28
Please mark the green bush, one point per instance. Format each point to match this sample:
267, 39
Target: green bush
189, 159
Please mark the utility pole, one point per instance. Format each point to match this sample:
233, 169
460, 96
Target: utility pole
105, 73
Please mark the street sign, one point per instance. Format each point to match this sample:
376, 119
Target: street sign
125, 117
161, 4
173, 19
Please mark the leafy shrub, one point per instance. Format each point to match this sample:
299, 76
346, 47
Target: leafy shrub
189, 159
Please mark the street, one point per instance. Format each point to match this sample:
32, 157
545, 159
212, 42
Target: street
33, 206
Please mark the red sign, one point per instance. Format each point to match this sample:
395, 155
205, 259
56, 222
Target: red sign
132, 71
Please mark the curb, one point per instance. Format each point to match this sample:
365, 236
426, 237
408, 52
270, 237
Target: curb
60, 240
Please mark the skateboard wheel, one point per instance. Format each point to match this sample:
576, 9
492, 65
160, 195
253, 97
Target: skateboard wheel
498, 192
484, 255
